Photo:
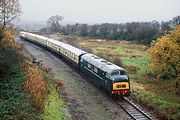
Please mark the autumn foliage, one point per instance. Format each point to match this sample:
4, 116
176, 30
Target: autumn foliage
165, 55
36, 85
8, 40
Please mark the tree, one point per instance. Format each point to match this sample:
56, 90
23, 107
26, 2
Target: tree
54, 23
165, 55
165, 27
176, 20
93, 31
104, 30
9, 10
84, 30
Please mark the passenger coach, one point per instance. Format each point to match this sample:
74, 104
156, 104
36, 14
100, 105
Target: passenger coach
71, 53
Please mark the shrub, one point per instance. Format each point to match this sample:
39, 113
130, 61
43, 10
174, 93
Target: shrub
36, 85
117, 61
8, 40
132, 69
165, 55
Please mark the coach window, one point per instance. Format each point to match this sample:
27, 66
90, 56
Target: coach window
95, 70
74, 57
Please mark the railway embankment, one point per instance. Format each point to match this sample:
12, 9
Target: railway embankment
14, 100
27, 90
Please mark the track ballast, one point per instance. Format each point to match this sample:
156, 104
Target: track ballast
134, 111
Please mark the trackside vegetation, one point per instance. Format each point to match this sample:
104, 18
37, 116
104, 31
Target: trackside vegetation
14, 100
54, 106
24, 89
27, 92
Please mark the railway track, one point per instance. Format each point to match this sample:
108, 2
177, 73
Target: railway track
134, 111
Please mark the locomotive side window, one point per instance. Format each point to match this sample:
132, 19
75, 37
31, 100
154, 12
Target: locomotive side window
89, 66
101, 73
95, 70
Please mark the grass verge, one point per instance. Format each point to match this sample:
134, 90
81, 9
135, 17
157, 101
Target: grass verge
165, 103
55, 108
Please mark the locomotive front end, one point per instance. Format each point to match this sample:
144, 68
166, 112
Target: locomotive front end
120, 83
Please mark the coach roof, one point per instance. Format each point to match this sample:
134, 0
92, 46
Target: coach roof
68, 47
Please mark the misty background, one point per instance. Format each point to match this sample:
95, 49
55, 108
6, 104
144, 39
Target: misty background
36, 12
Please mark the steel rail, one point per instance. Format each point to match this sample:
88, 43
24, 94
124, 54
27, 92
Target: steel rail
135, 112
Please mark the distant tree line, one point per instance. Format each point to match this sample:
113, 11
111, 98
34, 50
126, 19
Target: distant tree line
143, 32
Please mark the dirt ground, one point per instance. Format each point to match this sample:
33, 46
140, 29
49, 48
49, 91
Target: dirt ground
85, 101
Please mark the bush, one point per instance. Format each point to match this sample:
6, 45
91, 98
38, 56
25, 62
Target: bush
114, 59
165, 55
36, 85
8, 41
117, 61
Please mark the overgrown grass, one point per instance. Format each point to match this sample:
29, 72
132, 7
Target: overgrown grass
54, 106
165, 103
14, 100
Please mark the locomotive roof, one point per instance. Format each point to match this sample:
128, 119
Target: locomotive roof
101, 63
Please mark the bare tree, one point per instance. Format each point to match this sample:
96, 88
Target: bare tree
54, 23
9, 10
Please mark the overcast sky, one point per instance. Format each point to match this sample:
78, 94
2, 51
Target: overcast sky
101, 11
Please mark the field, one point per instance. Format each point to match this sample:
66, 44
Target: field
159, 96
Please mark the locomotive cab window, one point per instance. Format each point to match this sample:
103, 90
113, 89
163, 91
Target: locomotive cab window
118, 73
115, 73
123, 73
